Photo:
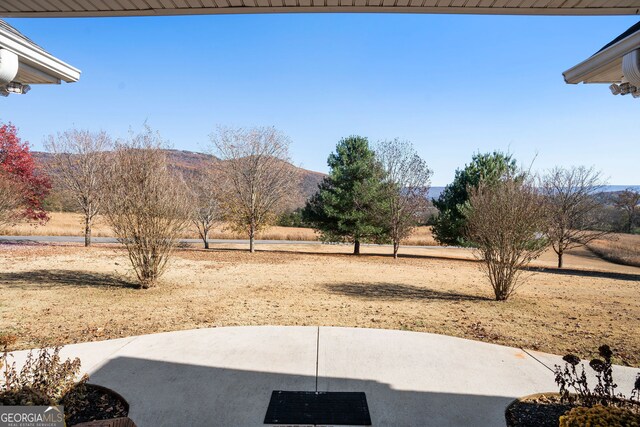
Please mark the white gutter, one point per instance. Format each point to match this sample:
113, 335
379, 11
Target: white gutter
38, 58
601, 60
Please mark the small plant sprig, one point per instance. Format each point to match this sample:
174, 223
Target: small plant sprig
575, 389
606, 388
572, 382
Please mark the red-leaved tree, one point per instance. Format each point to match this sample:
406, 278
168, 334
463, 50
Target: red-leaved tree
18, 167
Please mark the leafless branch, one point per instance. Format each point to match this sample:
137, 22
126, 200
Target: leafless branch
569, 197
408, 179
79, 165
256, 178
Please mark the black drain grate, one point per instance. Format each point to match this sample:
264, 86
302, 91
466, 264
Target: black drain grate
318, 408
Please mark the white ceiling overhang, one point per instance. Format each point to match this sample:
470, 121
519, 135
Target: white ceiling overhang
66, 8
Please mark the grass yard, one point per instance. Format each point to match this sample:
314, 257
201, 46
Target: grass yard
53, 294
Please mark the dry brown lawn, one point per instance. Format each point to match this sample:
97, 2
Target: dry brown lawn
66, 293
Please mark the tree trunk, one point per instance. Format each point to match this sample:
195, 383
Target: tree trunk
252, 233
560, 263
356, 247
87, 231
205, 236
396, 246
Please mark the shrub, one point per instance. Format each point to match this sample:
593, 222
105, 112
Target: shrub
146, 205
43, 380
506, 222
598, 415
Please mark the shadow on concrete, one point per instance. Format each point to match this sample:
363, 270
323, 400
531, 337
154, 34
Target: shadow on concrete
174, 394
393, 291
40, 278
632, 277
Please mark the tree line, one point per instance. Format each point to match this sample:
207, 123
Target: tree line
374, 193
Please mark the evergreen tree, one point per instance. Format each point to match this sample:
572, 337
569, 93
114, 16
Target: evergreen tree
350, 204
450, 224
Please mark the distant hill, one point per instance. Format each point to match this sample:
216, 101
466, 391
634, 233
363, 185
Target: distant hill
188, 162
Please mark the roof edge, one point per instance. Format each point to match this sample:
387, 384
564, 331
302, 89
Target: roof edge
604, 57
36, 56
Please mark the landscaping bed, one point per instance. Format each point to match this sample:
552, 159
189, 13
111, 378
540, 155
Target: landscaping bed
90, 402
538, 410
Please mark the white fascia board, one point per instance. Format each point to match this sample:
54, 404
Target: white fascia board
38, 58
602, 60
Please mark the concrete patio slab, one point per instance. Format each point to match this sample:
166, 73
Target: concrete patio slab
416, 379
225, 376
210, 377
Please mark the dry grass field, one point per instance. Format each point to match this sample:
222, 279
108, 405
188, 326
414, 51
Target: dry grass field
622, 249
71, 224
66, 293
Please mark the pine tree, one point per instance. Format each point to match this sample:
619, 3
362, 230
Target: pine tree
450, 224
350, 203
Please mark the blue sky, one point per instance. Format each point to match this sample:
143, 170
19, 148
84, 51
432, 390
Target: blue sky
452, 84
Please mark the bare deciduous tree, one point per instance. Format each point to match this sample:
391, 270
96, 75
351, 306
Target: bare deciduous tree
205, 204
506, 222
569, 197
408, 180
628, 200
256, 178
79, 165
146, 205
11, 201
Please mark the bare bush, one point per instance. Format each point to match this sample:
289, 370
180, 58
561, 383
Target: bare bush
146, 205
256, 177
507, 224
79, 165
205, 204
408, 178
572, 207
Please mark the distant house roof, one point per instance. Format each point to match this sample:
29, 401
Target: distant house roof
61, 8
605, 66
34, 65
